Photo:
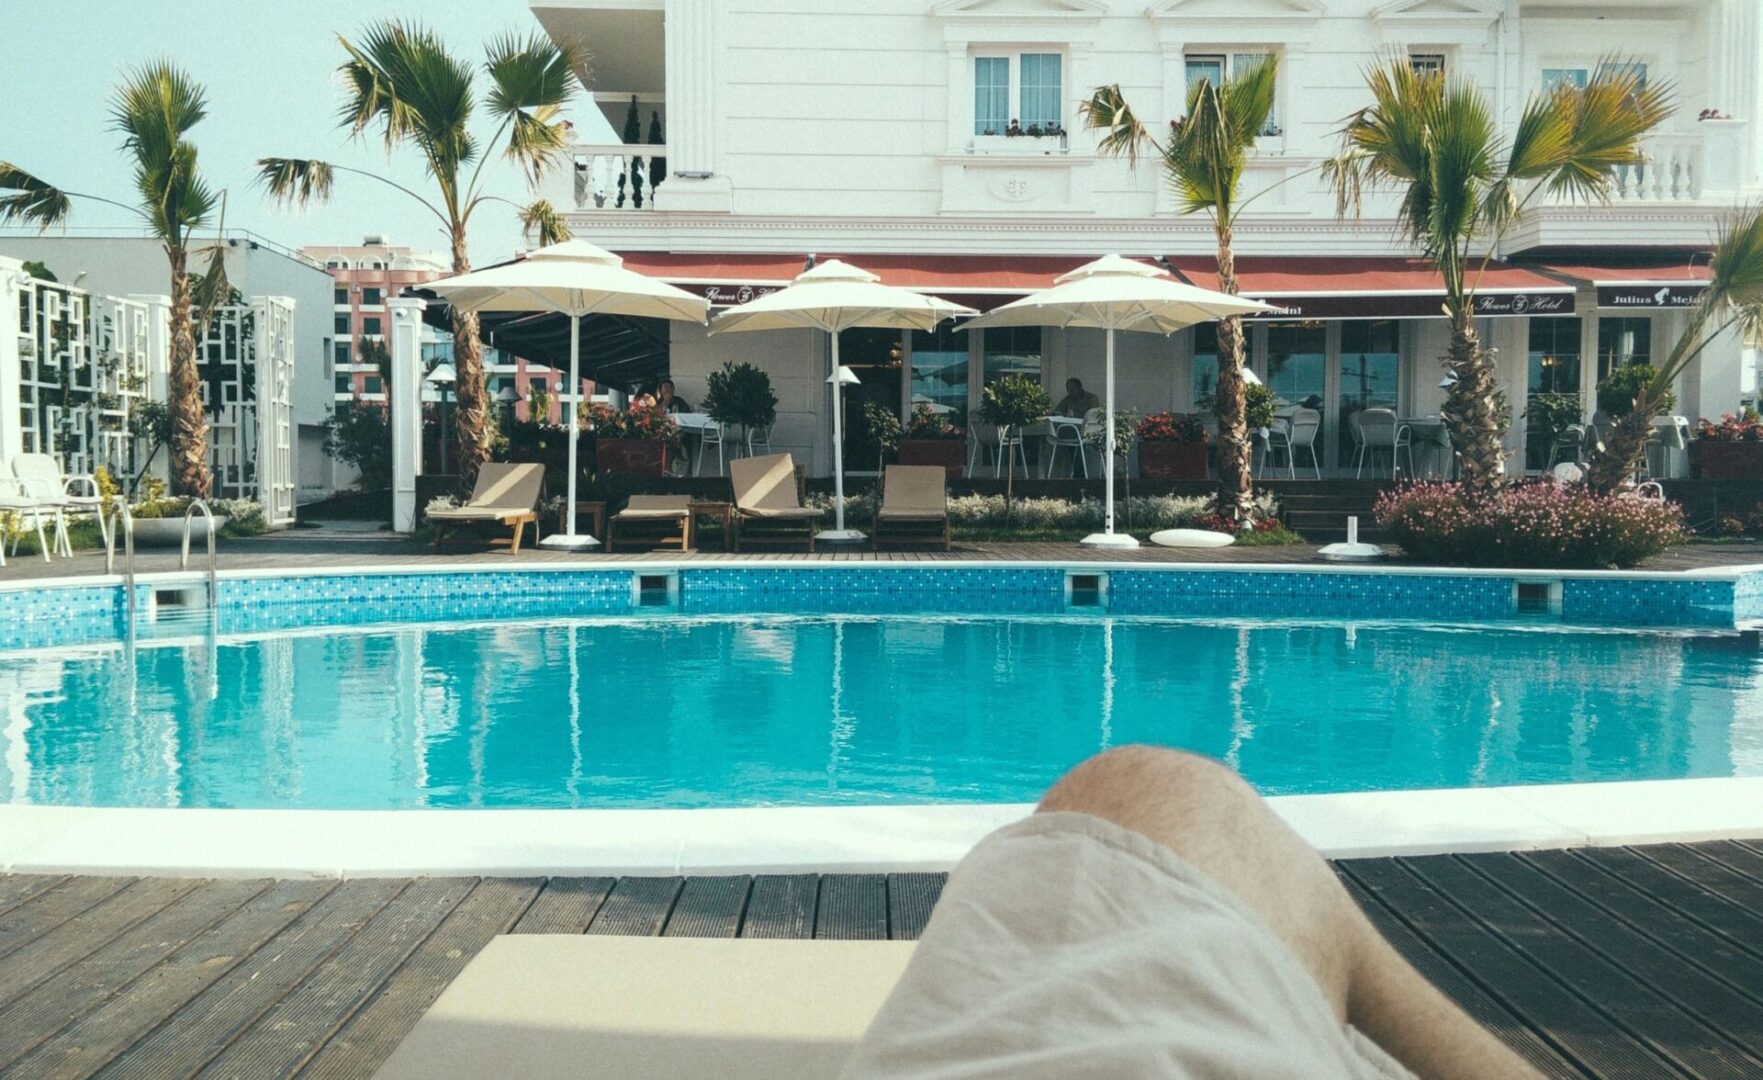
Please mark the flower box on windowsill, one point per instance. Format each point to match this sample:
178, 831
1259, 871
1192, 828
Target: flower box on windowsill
1019, 144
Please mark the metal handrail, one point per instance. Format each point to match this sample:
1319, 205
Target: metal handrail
184, 560
127, 519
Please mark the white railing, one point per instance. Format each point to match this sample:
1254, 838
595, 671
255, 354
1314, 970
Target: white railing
617, 176
1672, 173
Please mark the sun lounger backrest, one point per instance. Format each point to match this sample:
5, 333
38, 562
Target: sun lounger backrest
765, 483
916, 488
507, 486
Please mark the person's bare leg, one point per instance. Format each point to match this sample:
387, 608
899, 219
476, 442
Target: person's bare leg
1206, 814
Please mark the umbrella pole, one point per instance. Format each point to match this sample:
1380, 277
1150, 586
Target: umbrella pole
838, 441
568, 538
1108, 537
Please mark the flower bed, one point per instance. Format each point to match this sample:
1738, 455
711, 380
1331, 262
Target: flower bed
1533, 525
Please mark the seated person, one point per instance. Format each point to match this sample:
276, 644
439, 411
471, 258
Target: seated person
1077, 401
664, 397
1153, 918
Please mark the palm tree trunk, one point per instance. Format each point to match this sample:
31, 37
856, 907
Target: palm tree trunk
1236, 495
1624, 446
189, 420
1472, 406
471, 416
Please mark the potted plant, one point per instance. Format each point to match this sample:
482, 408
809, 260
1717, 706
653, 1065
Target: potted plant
740, 394
1011, 403
635, 440
931, 438
159, 519
1729, 450
1172, 447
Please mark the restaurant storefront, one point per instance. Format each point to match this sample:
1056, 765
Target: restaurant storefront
1349, 334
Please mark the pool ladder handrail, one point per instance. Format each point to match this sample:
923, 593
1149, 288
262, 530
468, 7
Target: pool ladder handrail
184, 559
121, 515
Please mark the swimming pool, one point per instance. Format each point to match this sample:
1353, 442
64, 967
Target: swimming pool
676, 708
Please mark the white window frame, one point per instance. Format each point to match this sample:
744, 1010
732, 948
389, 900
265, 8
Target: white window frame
1426, 61
1013, 91
1227, 58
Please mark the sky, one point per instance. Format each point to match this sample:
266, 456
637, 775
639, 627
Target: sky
269, 70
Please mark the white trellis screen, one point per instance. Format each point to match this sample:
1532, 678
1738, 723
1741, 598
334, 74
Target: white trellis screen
245, 359
83, 371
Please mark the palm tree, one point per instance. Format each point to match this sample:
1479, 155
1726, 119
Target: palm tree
155, 107
1203, 159
401, 78
1734, 299
1437, 143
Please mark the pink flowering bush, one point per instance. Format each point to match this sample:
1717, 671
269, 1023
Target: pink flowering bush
1532, 525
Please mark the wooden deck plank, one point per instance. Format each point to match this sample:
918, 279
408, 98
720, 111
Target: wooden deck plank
204, 1027
1742, 859
1712, 875
1674, 929
15, 889
1638, 1008
74, 940
566, 906
375, 1029
637, 906
853, 907
709, 907
87, 1045
1691, 900
1486, 1010
44, 910
1711, 1002
910, 900
782, 906
1506, 974
82, 986
293, 1029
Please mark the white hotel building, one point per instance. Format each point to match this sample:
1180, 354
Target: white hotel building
873, 131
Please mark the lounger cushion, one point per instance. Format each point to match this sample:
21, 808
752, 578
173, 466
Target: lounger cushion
539, 1006
797, 513
475, 513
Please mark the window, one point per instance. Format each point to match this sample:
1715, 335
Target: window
1427, 63
344, 386
1297, 363
1215, 68
939, 369
1574, 77
1205, 365
371, 297
340, 352
1623, 341
342, 324
1037, 80
1011, 350
370, 325
341, 295
1370, 365
1554, 356
373, 384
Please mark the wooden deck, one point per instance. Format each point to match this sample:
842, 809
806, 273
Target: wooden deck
317, 549
1598, 962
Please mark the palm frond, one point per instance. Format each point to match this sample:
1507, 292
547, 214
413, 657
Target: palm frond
1106, 110
295, 182
542, 221
402, 77
1736, 278
531, 79
155, 107
1208, 150
31, 200
1572, 140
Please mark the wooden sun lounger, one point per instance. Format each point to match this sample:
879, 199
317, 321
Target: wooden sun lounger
914, 507
506, 493
542, 1006
654, 520
768, 506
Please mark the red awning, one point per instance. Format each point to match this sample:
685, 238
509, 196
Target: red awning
1639, 285
981, 281
1377, 288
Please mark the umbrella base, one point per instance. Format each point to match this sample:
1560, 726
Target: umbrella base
840, 536
1109, 540
568, 542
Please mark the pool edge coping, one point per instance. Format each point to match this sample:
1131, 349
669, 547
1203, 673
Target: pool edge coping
378, 843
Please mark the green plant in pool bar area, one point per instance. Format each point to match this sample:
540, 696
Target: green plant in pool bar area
927, 423
1618, 390
1744, 426
1171, 427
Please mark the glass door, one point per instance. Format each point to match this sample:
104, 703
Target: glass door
876, 358
1370, 365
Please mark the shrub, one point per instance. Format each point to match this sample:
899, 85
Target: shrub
1532, 525
1259, 405
1743, 426
1171, 427
1039, 514
644, 419
927, 423
740, 394
360, 434
1550, 414
1617, 390
881, 431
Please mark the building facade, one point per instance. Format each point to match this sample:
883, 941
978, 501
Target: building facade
939, 144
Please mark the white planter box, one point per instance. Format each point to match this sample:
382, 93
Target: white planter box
169, 532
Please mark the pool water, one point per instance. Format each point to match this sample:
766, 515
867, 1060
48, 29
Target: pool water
679, 711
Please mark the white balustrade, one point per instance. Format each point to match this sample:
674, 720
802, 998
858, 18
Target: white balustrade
1672, 172
617, 176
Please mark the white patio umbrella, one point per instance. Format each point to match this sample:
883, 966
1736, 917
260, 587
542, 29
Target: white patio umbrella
836, 296
1112, 294
574, 278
